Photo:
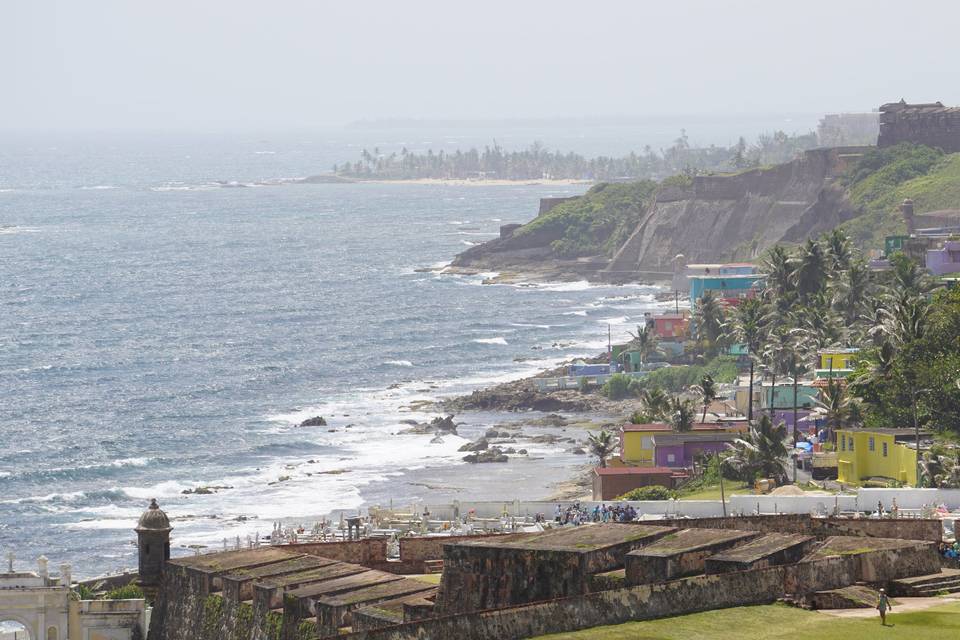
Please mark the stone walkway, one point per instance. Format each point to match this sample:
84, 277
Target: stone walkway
903, 605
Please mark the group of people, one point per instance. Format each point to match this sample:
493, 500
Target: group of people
576, 514
950, 551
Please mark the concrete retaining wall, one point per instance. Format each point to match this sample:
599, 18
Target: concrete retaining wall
902, 528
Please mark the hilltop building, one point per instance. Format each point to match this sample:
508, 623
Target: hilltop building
877, 453
929, 123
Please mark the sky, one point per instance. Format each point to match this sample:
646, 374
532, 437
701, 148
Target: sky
294, 64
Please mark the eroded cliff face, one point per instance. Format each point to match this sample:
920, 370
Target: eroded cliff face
737, 217
714, 219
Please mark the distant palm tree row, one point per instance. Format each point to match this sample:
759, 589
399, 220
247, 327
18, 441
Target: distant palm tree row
536, 161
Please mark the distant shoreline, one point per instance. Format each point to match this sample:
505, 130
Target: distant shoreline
468, 182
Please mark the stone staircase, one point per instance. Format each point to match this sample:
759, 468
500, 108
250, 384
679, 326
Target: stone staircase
935, 584
433, 566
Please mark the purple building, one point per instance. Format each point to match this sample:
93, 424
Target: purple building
945, 260
681, 449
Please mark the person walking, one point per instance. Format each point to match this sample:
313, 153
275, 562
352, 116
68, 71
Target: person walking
883, 603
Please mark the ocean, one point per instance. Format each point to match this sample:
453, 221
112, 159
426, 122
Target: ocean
163, 327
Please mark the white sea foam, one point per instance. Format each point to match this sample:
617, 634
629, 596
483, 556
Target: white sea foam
264, 153
7, 190
399, 363
98, 187
498, 340
575, 313
468, 243
13, 230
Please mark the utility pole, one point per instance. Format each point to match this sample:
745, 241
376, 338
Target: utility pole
723, 500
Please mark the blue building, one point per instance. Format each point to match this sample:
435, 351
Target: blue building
731, 288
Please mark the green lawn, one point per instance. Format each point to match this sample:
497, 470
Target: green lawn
712, 491
780, 621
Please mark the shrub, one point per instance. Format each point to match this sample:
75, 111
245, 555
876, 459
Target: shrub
126, 592
653, 492
619, 386
583, 384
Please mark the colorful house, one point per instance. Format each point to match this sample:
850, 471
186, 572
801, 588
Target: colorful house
636, 442
885, 453
669, 326
682, 449
729, 288
945, 259
781, 396
837, 363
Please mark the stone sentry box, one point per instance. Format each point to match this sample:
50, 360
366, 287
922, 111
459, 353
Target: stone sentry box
488, 574
769, 550
680, 554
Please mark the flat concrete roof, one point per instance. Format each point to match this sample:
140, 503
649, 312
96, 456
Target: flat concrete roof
328, 572
229, 561
692, 540
347, 583
296, 564
582, 539
377, 593
762, 547
852, 545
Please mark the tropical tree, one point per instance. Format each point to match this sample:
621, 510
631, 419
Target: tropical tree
835, 405
682, 414
810, 269
655, 402
939, 470
749, 329
851, 290
707, 390
776, 264
839, 250
778, 344
708, 322
601, 445
644, 342
761, 452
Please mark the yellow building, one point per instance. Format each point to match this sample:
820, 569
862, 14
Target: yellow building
838, 359
863, 454
636, 442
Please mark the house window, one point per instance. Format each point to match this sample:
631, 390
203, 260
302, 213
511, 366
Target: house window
851, 443
843, 443
671, 457
884, 449
870, 444
646, 442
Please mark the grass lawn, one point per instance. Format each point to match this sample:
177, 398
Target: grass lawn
712, 491
780, 621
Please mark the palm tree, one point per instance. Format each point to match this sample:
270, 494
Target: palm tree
644, 342
761, 452
810, 269
776, 264
908, 277
835, 406
707, 389
906, 321
778, 343
682, 415
601, 445
749, 329
655, 402
839, 250
851, 291
708, 321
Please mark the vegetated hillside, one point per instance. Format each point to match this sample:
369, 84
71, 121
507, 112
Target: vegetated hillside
593, 225
641, 226
596, 224
884, 177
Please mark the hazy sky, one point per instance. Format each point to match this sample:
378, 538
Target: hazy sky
285, 64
